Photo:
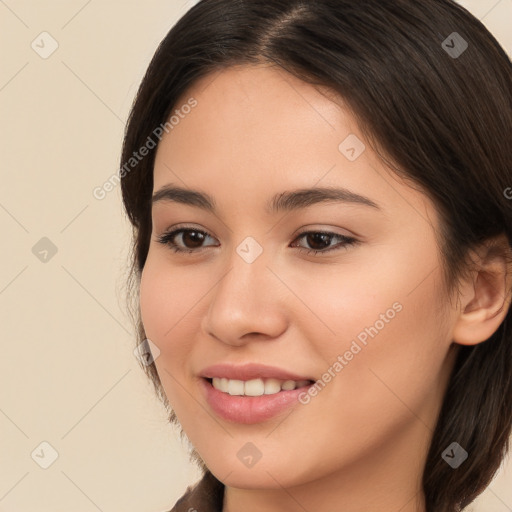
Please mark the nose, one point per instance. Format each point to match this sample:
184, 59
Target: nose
248, 303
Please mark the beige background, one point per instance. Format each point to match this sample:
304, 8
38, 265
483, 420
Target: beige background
69, 376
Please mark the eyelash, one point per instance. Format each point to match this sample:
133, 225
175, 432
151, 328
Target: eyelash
167, 239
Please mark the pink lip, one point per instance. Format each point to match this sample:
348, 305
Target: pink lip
249, 409
250, 371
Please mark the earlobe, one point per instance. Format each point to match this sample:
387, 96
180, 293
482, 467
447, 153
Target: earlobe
485, 298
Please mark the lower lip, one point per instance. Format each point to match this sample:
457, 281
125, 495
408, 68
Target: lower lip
249, 409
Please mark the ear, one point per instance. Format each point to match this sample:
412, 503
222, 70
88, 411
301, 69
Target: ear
485, 297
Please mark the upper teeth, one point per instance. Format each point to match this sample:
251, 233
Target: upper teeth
256, 387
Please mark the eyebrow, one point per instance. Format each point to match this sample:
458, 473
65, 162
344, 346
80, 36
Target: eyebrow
285, 201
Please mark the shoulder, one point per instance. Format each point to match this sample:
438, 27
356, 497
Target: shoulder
207, 495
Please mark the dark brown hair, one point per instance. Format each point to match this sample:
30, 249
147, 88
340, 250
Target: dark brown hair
441, 120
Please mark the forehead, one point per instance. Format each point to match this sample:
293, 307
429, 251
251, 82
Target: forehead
250, 118
264, 87
257, 130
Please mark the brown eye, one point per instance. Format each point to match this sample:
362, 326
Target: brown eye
191, 239
320, 241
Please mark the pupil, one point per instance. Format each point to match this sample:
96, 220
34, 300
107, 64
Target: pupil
316, 236
196, 237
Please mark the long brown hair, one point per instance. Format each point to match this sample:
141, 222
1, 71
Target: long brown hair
432, 91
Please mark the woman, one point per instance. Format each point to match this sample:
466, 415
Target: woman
322, 251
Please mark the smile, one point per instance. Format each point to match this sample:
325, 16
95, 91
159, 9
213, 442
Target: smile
242, 407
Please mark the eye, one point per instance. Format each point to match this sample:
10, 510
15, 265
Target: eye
192, 239
322, 240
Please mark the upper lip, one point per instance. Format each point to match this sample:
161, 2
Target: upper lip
250, 371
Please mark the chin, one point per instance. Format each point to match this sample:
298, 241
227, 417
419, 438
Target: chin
264, 478
262, 475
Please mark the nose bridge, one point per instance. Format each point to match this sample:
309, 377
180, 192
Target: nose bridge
246, 277
241, 301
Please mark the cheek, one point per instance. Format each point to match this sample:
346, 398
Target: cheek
153, 302
397, 373
169, 305
390, 335
161, 307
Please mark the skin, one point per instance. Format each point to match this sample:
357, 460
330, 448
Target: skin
361, 443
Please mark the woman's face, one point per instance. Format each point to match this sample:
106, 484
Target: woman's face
367, 320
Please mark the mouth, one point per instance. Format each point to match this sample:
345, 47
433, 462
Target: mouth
252, 401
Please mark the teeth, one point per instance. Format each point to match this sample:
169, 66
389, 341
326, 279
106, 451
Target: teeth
288, 385
236, 387
272, 386
255, 387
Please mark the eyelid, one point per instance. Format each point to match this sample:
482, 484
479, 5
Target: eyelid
328, 230
299, 231
186, 227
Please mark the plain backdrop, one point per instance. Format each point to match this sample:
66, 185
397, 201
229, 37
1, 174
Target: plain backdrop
71, 387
